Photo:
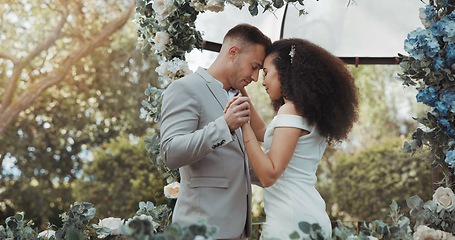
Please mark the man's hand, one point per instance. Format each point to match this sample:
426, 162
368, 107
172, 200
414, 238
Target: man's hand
237, 112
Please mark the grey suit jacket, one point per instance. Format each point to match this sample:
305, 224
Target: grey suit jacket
215, 182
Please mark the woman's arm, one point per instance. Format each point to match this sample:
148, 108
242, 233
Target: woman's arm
257, 124
269, 168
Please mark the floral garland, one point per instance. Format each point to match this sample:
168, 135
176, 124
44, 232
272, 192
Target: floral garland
430, 67
167, 29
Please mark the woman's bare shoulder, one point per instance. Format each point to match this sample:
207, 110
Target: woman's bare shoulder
288, 108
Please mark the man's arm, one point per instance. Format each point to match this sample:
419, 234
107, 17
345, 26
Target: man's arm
182, 143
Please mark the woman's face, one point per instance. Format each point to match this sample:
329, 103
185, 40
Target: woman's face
271, 82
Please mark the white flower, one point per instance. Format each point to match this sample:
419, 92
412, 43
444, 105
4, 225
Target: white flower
172, 70
46, 234
199, 237
114, 224
372, 238
445, 198
161, 39
215, 5
163, 8
172, 190
425, 233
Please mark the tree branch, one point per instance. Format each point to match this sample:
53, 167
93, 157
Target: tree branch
10, 57
34, 91
20, 64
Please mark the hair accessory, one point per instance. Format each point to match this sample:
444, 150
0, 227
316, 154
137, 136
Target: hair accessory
292, 52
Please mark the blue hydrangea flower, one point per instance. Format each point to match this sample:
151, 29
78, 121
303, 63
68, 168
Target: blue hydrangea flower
449, 27
445, 126
444, 122
450, 54
442, 108
438, 28
428, 96
438, 63
427, 15
450, 158
421, 42
448, 98
450, 51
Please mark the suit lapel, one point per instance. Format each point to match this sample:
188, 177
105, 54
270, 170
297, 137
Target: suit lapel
220, 96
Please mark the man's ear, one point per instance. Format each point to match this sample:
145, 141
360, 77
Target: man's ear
233, 52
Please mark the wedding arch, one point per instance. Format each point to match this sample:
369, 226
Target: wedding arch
169, 30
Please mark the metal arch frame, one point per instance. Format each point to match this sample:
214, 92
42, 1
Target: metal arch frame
215, 47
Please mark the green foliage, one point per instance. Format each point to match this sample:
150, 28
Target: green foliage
47, 145
17, 228
118, 177
430, 68
431, 214
362, 184
377, 229
77, 225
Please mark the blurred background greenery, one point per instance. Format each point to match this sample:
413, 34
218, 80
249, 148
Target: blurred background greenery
72, 79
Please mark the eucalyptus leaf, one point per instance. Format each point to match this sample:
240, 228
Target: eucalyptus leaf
414, 202
305, 227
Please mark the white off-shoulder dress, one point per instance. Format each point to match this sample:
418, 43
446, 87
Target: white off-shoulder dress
293, 197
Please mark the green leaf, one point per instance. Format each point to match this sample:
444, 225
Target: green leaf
278, 3
253, 8
294, 235
305, 227
414, 202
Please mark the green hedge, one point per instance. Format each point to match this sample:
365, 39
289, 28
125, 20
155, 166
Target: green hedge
363, 185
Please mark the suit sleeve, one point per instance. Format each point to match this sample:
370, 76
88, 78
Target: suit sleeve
182, 142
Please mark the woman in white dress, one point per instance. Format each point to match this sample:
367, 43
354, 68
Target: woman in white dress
316, 103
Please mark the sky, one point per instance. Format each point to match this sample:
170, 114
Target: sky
365, 28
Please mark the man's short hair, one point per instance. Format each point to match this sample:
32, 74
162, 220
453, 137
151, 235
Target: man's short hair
249, 34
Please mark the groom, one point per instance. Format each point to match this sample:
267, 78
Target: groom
205, 143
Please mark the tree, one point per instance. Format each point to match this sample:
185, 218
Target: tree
34, 61
97, 100
119, 177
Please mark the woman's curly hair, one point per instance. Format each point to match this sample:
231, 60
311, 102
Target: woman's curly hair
319, 84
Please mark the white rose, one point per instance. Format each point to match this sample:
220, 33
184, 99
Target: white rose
161, 39
423, 233
46, 234
113, 224
172, 70
172, 190
444, 197
215, 5
163, 8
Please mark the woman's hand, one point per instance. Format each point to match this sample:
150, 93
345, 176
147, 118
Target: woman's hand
237, 112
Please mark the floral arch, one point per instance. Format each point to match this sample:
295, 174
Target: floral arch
167, 29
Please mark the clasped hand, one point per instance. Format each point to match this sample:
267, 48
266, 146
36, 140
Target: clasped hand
237, 112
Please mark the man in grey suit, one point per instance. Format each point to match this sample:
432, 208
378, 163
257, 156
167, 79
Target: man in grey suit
205, 143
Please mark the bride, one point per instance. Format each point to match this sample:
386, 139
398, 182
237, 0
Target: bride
316, 101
